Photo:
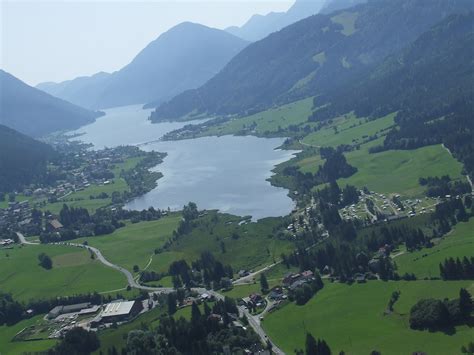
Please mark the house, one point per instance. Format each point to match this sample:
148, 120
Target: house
307, 275
276, 293
359, 278
297, 284
290, 278
54, 225
120, 311
58, 310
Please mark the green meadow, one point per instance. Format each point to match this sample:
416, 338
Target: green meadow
398, 171
73, 272
135, 244
351, 318
425, 262
246, 245
266, 122
9, 347
349, 129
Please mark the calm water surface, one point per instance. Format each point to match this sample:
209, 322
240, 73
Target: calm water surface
226, 173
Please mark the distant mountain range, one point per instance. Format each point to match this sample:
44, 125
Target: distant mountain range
311, 57
36, 113
260, 26
183, 58
23, 159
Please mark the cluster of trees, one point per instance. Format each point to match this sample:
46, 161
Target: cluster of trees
77, 341
438, 314
456, 269
45, 261
305, 292
141, 179
148, 276
204, 271
334, 167
207, 332
450, 212
78, 222
316, 347
442, 186
11, 311
333, 194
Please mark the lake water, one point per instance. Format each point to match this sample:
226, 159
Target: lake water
226, 173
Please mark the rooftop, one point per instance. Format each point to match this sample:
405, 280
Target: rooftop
117, 309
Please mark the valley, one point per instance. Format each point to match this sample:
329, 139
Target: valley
299, 184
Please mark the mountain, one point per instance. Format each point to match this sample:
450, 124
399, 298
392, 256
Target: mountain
429, 83
260, 26
72, 90
25, 161
334, 5
182, 58
35, 113
311, 57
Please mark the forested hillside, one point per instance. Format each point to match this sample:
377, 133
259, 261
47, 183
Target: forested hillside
182, 58
311, 57
430, 83
35, 113
22, 160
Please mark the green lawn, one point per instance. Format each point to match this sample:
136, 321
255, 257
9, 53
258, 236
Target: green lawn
267, 121
425, 262
398, 171
7, 346
135, 243
255, 246
73, 272
348, 129
351, 318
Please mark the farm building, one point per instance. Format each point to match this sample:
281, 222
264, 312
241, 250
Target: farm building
120, 311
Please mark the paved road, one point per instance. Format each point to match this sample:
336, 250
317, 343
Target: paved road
249, 278
254, 321
23, 239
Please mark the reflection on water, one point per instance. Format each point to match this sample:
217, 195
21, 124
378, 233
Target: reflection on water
226, 173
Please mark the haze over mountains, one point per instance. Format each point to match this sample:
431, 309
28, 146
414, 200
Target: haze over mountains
34, 112
311, 57
260, 26
184, 57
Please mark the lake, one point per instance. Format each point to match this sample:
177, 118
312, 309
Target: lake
226, 173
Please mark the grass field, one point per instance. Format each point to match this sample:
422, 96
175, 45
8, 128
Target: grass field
268, 121
135, 243
398, 171
9, 347
351, 318
255, 245
425, 262
73, 272
348, 129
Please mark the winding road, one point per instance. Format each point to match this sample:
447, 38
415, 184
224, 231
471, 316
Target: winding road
254, 321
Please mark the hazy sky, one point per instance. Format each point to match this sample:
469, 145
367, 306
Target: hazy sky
62, 39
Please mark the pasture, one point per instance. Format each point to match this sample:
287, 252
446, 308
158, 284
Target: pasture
73, 272
351, 318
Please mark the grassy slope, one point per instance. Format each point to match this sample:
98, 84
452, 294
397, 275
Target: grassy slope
7, 346
256, 245
267, 121
459, 243
135, 243
351, 130
73, 272
350, 318
398, 171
